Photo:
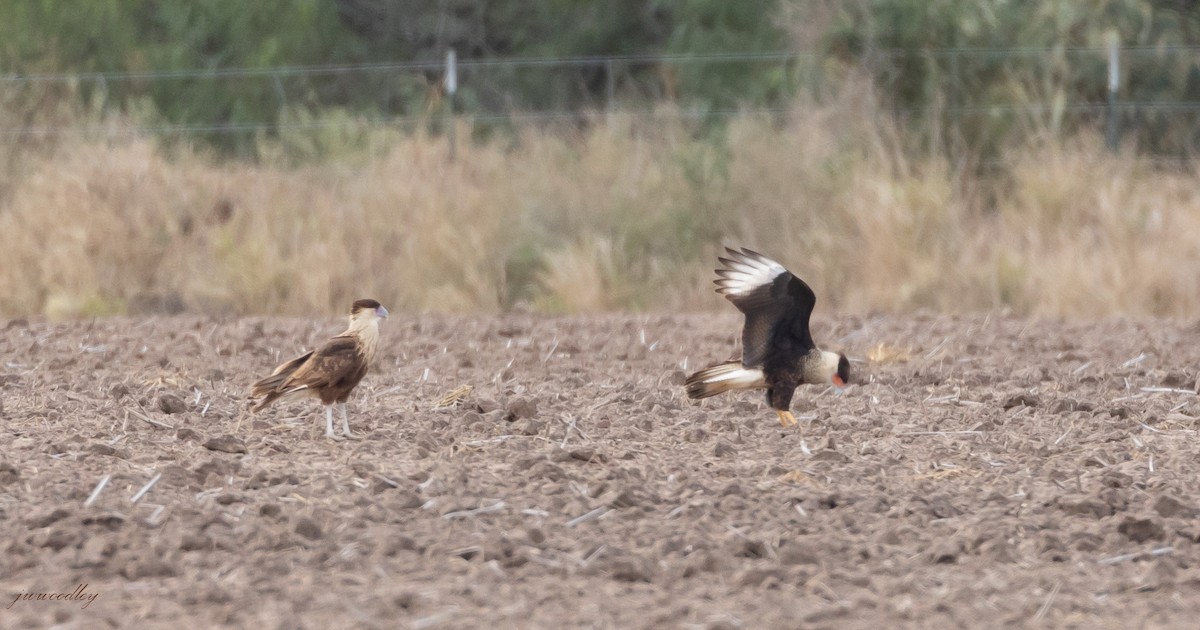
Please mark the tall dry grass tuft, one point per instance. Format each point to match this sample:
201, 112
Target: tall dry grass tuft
625, 214
1093, 232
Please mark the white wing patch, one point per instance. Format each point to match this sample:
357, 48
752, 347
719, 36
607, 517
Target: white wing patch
746, 271
733, 375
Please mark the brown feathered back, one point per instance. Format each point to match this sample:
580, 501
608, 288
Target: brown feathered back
329, 373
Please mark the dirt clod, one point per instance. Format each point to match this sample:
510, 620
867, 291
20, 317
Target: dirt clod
47, 517
484, 405
521, 407
724, 449
225, 444
1176, 379
8, 473
94, 553
151, 567
530, 427
185, 433
588, 455
104, 449
626, 569
944, 552
1141, 529
171, 404
1022, 399
796, 552
195, 542
1171, 507
1085, 506
309, 529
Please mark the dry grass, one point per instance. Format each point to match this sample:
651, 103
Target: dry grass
628, 214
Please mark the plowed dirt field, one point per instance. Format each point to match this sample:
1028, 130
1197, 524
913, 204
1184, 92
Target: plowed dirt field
984, 471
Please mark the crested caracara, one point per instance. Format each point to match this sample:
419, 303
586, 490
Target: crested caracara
331, 371
778, 353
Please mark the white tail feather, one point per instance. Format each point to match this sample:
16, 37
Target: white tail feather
722, 378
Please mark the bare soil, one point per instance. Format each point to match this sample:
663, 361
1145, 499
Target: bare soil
985, 471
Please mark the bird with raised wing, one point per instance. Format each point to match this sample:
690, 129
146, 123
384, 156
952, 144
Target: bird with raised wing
331, 371
778, 352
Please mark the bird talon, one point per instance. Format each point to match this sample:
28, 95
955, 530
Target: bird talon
786, 418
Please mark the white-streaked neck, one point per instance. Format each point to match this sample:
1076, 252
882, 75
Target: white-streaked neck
365, 326
821, 371
829, 363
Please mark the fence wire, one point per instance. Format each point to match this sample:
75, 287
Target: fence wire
408, 93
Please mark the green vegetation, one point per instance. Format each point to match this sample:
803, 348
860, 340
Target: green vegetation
204, 39
962, 78
965, 76
897, 167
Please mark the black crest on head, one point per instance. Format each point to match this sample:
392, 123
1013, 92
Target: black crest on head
363, 304
843, 369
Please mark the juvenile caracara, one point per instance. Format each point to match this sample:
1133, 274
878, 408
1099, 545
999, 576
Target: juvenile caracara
778, 352
331, 371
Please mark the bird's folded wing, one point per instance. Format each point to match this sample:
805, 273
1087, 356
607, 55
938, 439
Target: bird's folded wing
328, 364
266, 386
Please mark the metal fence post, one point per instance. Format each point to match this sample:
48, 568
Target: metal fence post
448, 107
610, 87
102, 90
1112, 135
280, 93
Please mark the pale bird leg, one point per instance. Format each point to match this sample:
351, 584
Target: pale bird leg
329, 423
786, 418
345, 421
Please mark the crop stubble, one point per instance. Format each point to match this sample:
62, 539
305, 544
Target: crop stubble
985, 470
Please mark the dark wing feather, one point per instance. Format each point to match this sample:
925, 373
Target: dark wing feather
271, 383
337, 365
773, 300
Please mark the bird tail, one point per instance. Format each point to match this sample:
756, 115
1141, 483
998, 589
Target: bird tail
270, 387
723, 377
265, 402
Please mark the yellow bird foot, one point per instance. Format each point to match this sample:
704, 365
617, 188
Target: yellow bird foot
786, 418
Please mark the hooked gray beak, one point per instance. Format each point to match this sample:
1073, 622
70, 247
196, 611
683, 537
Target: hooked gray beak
382, 312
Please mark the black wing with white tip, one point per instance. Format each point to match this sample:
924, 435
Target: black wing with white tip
773, 300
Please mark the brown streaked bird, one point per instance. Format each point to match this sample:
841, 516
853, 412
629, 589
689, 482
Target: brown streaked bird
331, 371
778, 353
